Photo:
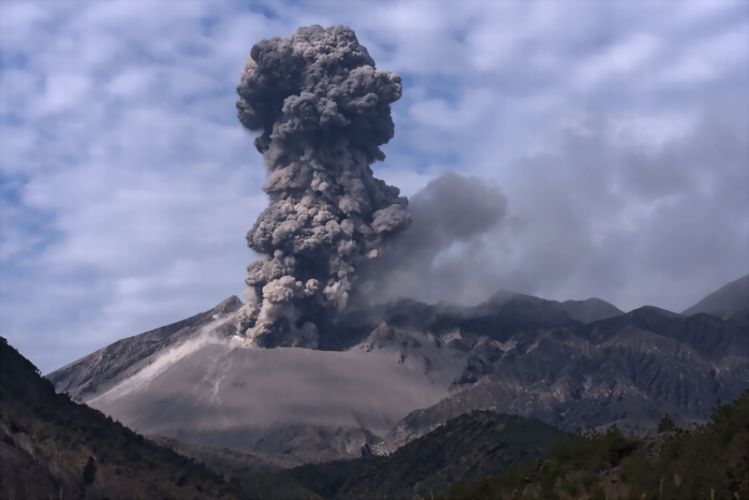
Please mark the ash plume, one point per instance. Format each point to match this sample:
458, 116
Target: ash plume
452, 213
322, 110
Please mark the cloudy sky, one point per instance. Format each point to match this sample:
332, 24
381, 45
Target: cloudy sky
616, 131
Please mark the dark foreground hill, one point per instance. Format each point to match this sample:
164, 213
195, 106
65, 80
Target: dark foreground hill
484, 455
710, 461
467, 448
51, 447
457, 460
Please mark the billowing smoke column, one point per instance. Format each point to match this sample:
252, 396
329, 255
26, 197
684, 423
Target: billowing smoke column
322, 110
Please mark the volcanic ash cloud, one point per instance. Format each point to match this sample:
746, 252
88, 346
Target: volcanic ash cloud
322, 110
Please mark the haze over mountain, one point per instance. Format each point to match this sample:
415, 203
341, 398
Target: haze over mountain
730, 301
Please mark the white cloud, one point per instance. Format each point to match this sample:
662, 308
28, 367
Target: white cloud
60, 93
699, 10
440, 114
708, 59
617, 61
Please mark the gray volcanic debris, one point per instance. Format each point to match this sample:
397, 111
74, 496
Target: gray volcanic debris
322, 110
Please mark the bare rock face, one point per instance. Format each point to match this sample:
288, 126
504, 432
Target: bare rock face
629, 370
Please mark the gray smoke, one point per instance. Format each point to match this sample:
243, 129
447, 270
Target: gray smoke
322, 110
438, 258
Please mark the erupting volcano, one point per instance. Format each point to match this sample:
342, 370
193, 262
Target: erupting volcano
322, 110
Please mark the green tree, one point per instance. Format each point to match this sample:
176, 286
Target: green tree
666, 424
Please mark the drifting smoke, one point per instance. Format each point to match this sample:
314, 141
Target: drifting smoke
322, 110
452, 213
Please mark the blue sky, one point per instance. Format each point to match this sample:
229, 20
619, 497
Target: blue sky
616, 130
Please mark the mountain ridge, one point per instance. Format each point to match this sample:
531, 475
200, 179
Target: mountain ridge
110, 361
729, 301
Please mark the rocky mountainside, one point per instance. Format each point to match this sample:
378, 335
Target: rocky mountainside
387, 375
730, 301
52, 447
628, 370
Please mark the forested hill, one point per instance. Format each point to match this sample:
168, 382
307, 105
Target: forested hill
710, 461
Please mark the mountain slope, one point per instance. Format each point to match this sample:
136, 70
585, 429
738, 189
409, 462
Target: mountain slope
394, 372
710, 461
198, 383
729, 301
590, 310
629, 370
115, 362
51, 447
465, 449
470, 446
308, 405
584, 311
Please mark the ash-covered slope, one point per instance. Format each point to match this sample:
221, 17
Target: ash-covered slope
196, 382
107, 366
729, 301
308, 404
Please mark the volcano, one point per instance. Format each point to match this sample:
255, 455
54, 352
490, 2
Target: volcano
407, 367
